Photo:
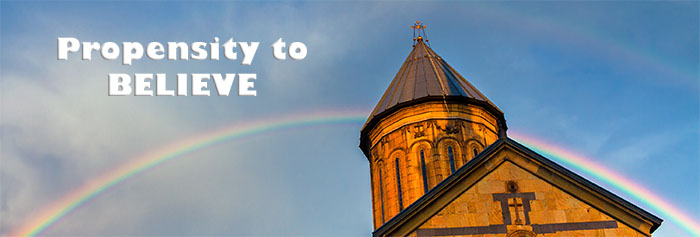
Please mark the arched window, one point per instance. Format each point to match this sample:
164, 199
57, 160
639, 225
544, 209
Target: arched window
452, 158
475, 147
381, 191
424, 170
398, 183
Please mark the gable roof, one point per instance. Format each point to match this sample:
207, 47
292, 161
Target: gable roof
413, 216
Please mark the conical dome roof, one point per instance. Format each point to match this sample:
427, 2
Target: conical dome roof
425, 76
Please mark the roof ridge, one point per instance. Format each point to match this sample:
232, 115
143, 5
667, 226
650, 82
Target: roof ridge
553, 168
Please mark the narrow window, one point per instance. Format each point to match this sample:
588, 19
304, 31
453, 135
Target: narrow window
425, 173
452, 158
381, 192
475, 152
398, 183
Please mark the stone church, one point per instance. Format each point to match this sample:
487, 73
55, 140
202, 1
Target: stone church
442, 164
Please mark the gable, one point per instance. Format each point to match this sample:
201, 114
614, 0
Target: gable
570, 197
488, 207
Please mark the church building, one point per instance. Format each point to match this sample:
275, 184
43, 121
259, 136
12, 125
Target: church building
441, 164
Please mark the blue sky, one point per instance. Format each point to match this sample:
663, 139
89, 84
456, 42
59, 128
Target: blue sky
614, 81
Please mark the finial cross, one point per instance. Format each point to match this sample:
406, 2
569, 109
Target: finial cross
419, 28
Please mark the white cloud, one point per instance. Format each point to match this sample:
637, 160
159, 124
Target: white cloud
60, 129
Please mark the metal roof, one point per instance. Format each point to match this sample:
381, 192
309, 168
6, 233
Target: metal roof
424, 77
425, 74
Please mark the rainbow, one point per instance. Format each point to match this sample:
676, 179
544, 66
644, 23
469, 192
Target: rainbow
636, 191
91, 189
149, 160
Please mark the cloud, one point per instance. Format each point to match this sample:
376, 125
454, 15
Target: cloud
59, 130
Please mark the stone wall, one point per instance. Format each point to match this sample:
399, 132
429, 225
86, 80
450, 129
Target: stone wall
548, 208
434, 129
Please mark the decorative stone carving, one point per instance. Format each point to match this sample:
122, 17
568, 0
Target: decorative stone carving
418, 131
521, 233
450, 128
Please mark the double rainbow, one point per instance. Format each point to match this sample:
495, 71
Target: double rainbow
91, 189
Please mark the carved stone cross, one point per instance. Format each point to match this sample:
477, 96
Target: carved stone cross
505, 207
515, 206
518, 200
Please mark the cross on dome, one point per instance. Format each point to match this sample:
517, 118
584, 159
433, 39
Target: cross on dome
419, 30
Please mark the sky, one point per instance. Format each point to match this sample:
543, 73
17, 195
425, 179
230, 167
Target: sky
617, 82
